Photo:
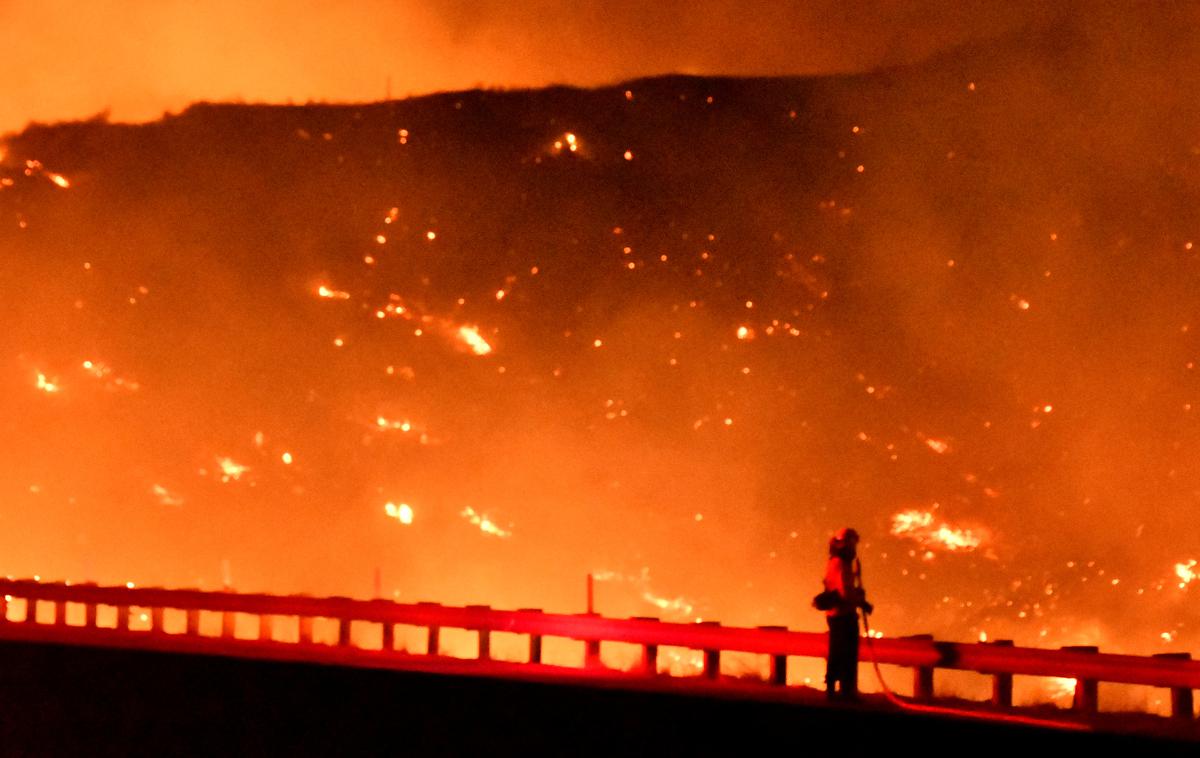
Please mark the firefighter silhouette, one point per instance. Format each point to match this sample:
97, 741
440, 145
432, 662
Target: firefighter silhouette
843, 582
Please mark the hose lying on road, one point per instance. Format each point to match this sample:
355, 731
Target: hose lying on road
1010, 718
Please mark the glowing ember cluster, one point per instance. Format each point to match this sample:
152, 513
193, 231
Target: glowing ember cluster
402, 512
485, 523
1185, 571
49, 386
231, 470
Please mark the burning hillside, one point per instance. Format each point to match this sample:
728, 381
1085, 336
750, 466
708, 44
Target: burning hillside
673, 332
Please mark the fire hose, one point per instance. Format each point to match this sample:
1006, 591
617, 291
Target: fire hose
894, 699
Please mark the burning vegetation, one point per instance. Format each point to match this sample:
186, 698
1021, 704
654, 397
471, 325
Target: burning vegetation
806, 303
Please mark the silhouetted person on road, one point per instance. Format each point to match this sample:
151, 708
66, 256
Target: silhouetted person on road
843, 583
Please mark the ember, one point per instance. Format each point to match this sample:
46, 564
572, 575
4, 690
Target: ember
402, 512
485, 524
231, 471
1186, 572
470, 337
46, 385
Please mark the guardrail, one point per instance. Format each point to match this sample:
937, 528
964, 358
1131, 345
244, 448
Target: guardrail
1001, 659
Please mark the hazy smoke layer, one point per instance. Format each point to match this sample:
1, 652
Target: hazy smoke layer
139, 58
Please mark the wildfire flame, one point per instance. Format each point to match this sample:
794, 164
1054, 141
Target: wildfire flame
941, 447
46, 385
34, 167
393, 308
231, 471
1186, 572
469, 335
485, 524
568, 141
676, 606
165, 496
332, 294
102, 371
1060, 688
919, 526
384, 423
402, 512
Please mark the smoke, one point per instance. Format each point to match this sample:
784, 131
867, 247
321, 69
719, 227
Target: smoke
138, 59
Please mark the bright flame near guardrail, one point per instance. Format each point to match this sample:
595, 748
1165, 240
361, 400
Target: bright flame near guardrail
1060, 690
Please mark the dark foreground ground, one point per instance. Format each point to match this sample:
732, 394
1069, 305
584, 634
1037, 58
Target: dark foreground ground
62, 700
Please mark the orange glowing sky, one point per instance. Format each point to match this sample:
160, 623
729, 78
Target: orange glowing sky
136, 59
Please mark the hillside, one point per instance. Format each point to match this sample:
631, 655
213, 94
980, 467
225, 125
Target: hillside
951, 304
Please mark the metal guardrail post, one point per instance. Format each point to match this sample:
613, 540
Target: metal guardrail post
1183, 704
923, 684
777, 673
1002, 684
649, 664
591, 651
485, 635
922, 675
388, 633
304, 631
712, 658
193, 622
266, 627
3, 608
89, 609
344, 638
60, 612
433, 643
535, 639
485, 645
228, 619
156, 614
31, 604
123, 618
1087, 691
